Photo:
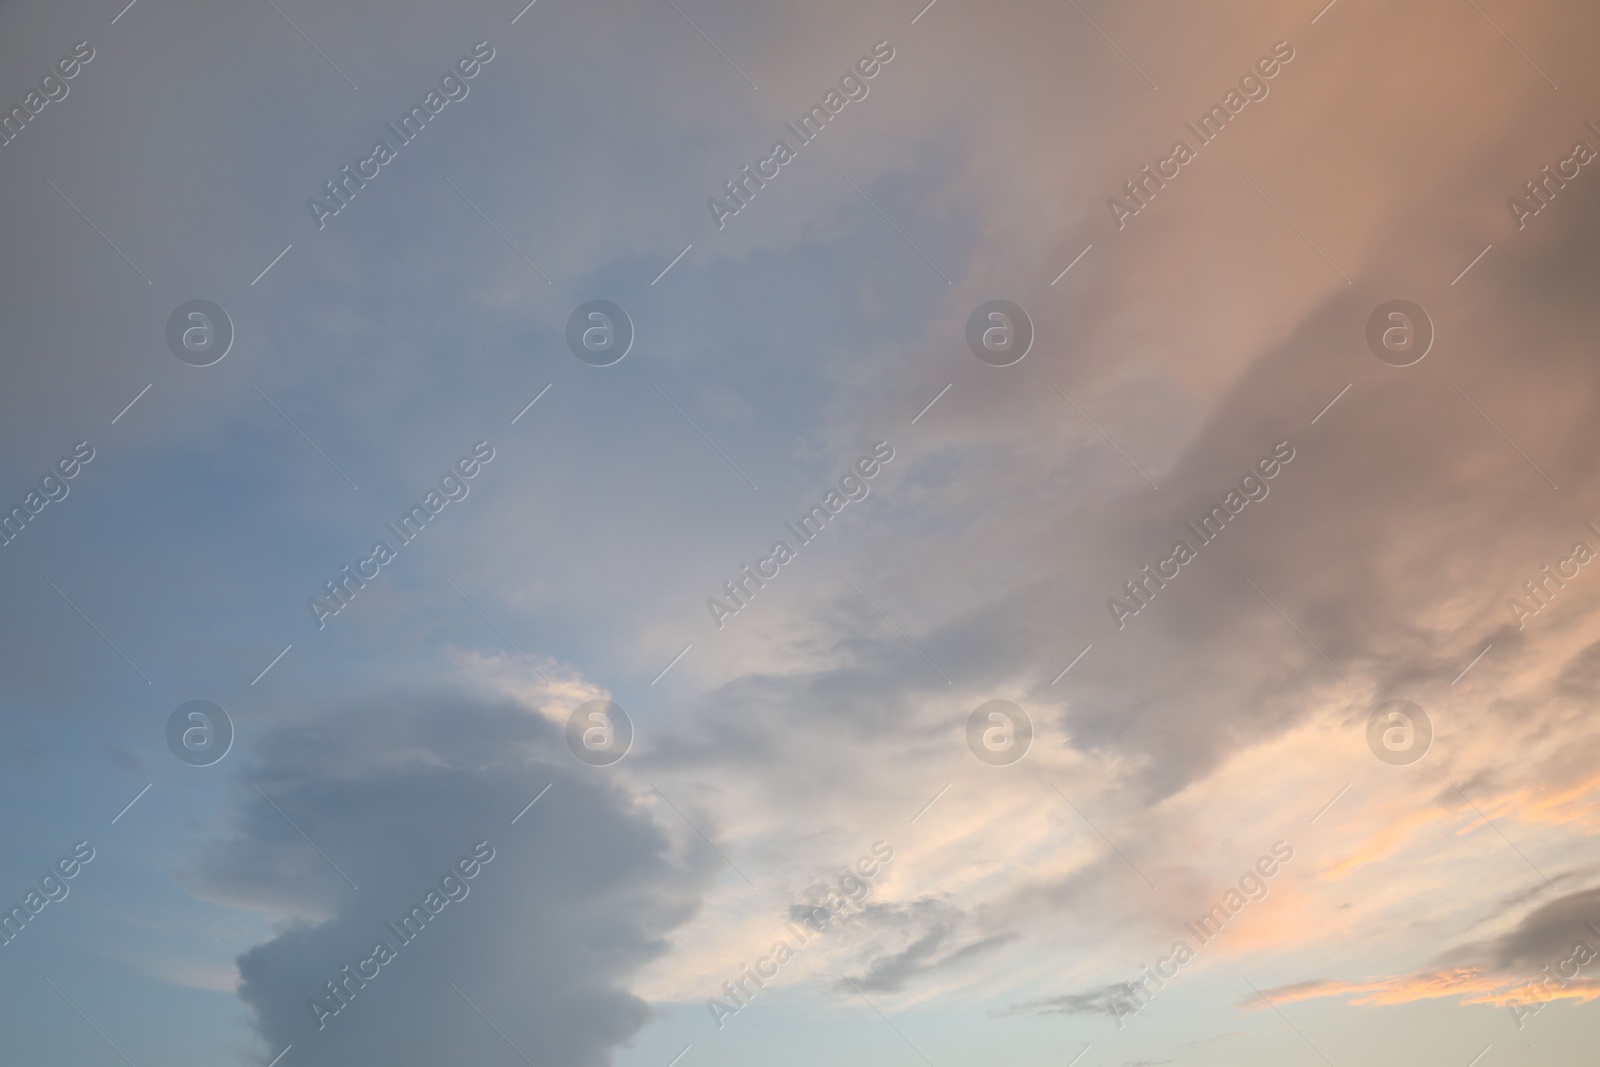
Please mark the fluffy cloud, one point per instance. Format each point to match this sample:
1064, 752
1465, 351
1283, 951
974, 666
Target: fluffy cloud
580, 892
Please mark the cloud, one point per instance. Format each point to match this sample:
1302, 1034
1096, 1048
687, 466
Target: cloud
1193, 341
579, 893
1091, 1002
1549, 931
1541, 940
927, 930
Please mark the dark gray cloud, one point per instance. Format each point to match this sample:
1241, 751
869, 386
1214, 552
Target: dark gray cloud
1548, 933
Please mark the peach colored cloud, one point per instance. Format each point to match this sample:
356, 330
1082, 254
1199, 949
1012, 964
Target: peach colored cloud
1472, 985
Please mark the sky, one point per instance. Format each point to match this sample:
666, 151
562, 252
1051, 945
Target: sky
871, 533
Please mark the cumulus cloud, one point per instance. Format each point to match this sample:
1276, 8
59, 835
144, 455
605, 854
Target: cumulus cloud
543, 938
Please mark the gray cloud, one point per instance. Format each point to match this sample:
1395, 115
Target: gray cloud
579, 893
933, 937
1097, 1001
1548, 932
